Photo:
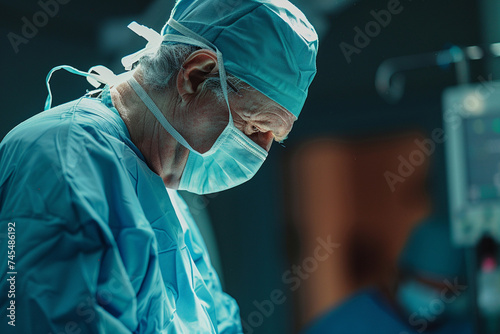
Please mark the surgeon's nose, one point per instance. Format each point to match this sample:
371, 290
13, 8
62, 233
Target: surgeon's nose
263, 139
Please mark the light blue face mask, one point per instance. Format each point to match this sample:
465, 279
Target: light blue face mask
233, 159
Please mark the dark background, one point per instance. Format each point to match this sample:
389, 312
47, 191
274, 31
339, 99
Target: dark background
249, 220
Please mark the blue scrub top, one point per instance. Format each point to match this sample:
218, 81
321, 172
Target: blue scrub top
101, 246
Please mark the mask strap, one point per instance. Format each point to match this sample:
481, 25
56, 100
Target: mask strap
96, 76
71, 69
192, 38
158, 114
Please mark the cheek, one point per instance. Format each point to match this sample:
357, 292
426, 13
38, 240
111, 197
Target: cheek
215, 115
214, 125
207, 123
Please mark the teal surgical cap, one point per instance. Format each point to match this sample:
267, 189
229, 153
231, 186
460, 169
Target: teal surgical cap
268, 44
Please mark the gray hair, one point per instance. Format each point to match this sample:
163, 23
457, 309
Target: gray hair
161, 69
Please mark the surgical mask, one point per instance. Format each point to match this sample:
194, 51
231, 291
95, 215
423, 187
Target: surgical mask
233, 159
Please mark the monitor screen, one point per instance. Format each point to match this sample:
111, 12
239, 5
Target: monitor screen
482, 137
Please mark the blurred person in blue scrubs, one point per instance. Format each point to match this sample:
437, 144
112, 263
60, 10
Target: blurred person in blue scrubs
431, 295
99, 239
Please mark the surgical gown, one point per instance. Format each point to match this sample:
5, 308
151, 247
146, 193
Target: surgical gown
101, 246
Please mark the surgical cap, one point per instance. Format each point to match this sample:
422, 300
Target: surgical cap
268, 44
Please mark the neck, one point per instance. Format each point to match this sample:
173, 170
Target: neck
163, 154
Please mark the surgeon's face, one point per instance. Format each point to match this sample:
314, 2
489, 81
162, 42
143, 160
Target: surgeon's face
204, 117
254, 114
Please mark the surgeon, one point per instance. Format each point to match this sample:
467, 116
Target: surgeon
98, 239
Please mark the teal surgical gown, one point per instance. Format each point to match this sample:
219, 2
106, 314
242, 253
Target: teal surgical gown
101, 246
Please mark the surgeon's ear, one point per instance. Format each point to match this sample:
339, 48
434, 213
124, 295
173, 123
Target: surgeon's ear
194, 72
